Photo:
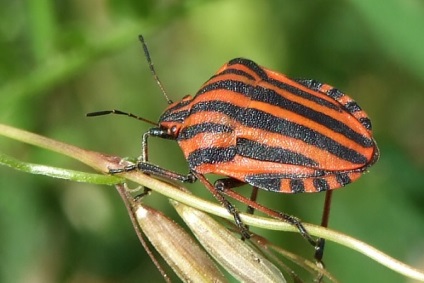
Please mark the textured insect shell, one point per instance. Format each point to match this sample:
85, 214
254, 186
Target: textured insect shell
230, 128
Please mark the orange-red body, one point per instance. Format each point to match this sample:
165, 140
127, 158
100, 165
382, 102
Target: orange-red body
275, 133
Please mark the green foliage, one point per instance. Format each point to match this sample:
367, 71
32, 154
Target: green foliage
62, 59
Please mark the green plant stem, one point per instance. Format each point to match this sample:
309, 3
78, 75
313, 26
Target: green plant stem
102, 162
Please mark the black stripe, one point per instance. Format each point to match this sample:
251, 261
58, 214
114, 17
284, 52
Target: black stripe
258, 151
235, 72
297, 186
191, 131
178, 117
366, 122
303, 94
321, 184
335, 93
258, 119
211, 155
248, 90
231, 85
179, 105
311, 84
343, 179
263, 182
251, 65
271, 97
272, 182
171, 114
352, 107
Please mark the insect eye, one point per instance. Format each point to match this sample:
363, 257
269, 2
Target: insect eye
173, 130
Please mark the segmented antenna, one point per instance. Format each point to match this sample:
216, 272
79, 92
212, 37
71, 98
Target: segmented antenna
119, 112
152, 69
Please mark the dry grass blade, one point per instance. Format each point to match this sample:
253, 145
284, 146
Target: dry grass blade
238, 258
189, 261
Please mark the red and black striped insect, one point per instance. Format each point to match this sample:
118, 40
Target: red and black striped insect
256, 126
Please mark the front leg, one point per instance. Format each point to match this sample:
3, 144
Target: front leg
155, 170
151, 169
225, 186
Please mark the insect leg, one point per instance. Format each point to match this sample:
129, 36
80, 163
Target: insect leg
317, 244
276, 214
230, 208
148, 168
253, 197
319, 252
228, 183
155, 170
231, 183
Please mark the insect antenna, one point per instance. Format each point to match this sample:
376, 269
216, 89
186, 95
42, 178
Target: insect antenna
119, 112
152, 69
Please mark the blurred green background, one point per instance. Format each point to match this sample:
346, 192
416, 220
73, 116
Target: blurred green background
62, 59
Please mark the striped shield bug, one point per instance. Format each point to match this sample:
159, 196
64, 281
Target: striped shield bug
256, 126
